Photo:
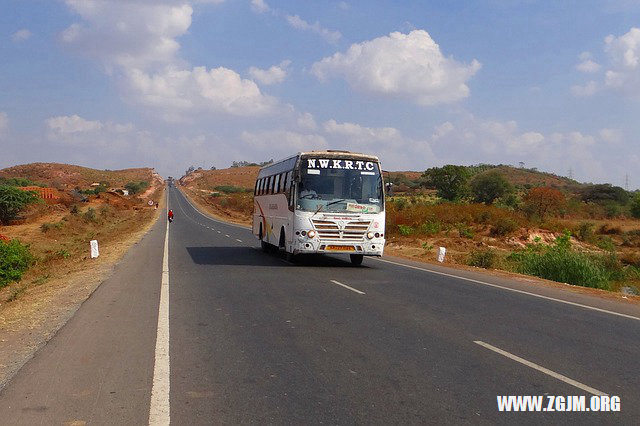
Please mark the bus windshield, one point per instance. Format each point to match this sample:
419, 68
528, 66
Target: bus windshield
340, 186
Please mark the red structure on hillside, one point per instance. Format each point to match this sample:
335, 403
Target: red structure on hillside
44, 193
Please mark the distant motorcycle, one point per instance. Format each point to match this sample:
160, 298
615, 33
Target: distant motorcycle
170, 216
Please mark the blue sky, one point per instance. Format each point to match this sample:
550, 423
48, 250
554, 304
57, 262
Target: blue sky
173, 83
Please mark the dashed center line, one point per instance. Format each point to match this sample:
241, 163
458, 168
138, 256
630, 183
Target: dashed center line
238, 240
347, 287
227, 235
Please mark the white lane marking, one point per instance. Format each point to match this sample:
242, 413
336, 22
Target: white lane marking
238, 240
346, 286
219, 232
227, 235
593, 308
540, 368
159, 413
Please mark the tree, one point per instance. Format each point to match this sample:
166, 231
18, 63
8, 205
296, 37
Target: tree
190, 170
450, 181
13, 201
635, 206
603, 193
542, 201
487, 187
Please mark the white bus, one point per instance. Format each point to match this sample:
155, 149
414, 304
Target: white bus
321, 202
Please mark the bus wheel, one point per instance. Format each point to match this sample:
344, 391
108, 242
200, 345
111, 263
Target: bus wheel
356, 259
291, 258
264, 245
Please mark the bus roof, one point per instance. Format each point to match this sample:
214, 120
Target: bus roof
289, 163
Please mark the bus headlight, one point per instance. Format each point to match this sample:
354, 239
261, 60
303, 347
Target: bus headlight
311, 234
370, 235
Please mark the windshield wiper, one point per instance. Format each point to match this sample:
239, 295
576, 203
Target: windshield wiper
335, 202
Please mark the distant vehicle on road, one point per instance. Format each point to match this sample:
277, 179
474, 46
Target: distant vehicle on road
321, 202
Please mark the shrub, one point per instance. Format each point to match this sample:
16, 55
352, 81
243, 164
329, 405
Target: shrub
585, 231
135, 187
604, 193
488, 187
465, 231
75, 210
559, 263
542, 201
504, 226
90, 215
482, 258
450, 181
46, 227
405, 230
13, 201
430, 227
635, 206
610, 230
15, 258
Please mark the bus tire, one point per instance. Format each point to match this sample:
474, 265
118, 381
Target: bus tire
264, 245
356, 259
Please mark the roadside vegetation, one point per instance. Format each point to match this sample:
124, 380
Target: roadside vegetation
44, 239
520, 220
496, 217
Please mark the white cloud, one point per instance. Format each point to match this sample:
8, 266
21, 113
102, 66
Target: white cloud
279, 143
273, 75
259, 6
344, 5
588, 66
470, 140
129, 34
611, 136
409, 66
307, 122
21, 35
297, 22
623, 71
178, 93
4, 121
65, 125
589, 89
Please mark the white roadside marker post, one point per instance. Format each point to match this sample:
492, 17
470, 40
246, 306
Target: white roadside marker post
441, 254
94, 249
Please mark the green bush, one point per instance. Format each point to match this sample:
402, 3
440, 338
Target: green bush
135, 187
13, 201
585, 231
464, 231
90, 215
635, 206
15, 259
482, 258
430, 227
488, 187
560, 263
504, 226
405, 230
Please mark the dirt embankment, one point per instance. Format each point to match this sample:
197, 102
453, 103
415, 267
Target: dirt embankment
64, 275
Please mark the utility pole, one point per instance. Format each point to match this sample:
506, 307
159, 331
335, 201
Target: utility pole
626, 182
571, 173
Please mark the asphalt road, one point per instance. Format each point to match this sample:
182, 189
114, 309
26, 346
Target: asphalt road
255, 339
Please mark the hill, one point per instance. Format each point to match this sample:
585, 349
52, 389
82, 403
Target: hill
242, 177
65, 176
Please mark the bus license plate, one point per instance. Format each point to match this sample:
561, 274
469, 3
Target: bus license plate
341, 248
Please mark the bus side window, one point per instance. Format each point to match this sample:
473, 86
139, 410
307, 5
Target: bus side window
272, 185
266, 190
255, 189
285, 186
260, 186
276, 188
